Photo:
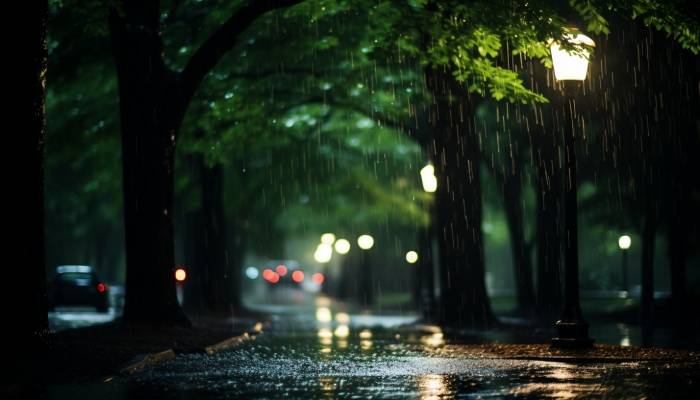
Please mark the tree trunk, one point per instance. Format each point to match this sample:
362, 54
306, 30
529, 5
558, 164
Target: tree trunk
522, 264
648, 243
465, 302
548, 211
150, 118
24, 294
219, 277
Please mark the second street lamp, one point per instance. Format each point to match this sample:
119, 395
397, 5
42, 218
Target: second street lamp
624, 242
570, 67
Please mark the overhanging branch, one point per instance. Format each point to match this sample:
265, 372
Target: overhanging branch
221, 41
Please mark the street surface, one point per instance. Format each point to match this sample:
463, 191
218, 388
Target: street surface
313, 350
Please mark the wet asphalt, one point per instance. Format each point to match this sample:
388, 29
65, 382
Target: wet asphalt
319, 352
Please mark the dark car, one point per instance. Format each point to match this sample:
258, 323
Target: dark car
77, 285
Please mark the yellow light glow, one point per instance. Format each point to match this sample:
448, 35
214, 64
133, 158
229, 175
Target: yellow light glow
180, 275
365, 334
434, 340
365, 242
427, 176
323, 314
571, 65
325, 333
323, 253
342, 246
342, 318
624, 242
328, 238
411, 257
342, 331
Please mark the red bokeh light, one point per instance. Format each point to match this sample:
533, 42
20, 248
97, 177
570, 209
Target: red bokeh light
297, 276
281, 269
274, 278
318, 278
101, 287
268, 274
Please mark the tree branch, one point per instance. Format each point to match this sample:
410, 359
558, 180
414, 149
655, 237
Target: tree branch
221, 41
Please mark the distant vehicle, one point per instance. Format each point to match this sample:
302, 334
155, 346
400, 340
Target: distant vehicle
77, 285
289, 273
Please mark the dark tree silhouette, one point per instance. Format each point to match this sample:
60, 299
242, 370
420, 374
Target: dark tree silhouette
153, 100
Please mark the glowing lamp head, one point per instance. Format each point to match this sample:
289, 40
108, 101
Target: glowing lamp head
180, 274
365, 242
411, 257
328, 238
323, 253
571, 65
427, 176
342, 246
624, 242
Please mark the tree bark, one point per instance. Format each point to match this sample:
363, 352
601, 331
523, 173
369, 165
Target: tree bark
219, 277
24, 295
150, 118
648, 244
465, 302
522, 264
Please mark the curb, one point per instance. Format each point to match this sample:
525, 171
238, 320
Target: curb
228, 343
148, 359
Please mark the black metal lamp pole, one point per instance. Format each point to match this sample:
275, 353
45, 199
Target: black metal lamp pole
572, 329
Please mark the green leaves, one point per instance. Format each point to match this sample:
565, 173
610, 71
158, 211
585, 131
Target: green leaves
595, 22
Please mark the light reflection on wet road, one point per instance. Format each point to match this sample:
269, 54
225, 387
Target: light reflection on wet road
335, 357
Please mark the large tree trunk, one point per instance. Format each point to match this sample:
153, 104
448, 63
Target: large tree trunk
522, 264
648, 244
465, 302
23, 297
219, 277
548, 217
150, 118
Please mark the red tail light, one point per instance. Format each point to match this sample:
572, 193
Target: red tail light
297, 276
101, 287
318, 278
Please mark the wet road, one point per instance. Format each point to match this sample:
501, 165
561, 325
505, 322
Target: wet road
328, 354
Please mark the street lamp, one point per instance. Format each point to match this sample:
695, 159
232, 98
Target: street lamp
366, 242
624, 242
570, 67
428, 179
424, 285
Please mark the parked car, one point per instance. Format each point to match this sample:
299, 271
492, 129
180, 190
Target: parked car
77, 285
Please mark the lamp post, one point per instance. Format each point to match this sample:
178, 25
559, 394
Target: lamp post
426, 288
366, 242
624, 242
570, 67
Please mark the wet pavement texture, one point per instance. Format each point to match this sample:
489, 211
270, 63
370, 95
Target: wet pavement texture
327, 355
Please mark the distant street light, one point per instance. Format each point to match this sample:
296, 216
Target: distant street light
570, 67
427, 176
411, 257
328, 238
180, 277
624, 242
365, 242
342, 246
323, 253
424, 279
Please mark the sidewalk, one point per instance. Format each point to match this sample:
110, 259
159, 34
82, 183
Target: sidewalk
95, 352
